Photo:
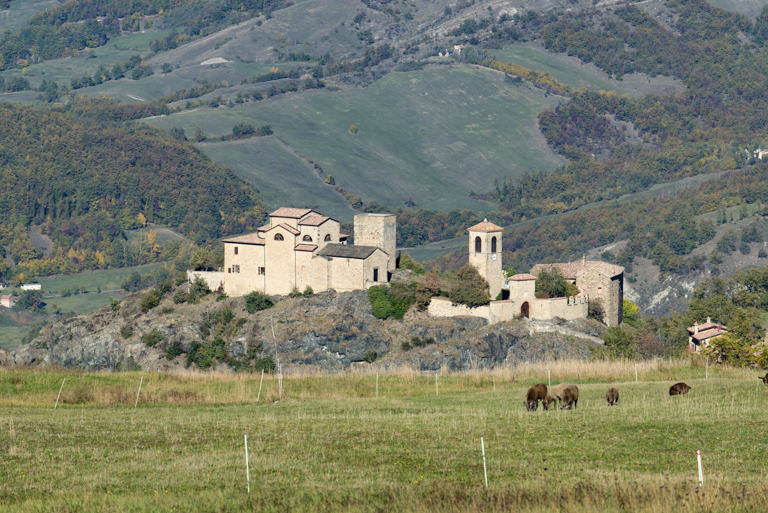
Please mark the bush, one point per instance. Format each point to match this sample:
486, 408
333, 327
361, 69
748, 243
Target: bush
163, 287
153, 338
256, 301
199, 287
173, 350
294, 293
595, 310
370, 356
128, 365
126, 331
180, 297
266, 364
308, 291
406, 346
552, 283
221, 297
149, 300
427, 288
471, 288
392, 304
114, 304
407, 262
200, 355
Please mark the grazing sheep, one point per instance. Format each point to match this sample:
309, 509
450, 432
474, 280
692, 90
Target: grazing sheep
570, 397
535, 394
764, 379
612, 396
555, 394
679, 389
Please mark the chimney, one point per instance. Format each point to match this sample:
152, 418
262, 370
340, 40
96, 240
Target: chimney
584, 259
695, 328
709, 321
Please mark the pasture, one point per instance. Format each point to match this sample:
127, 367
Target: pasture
436, 135
330, 444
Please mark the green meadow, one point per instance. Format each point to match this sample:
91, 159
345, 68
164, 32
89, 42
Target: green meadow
328, 443
435, 135
20, 11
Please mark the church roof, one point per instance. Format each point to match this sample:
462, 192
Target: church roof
293, 213
305, 247
523, 277
289, 228
485, 226
347, 251
249, 238
573, 269
313, 221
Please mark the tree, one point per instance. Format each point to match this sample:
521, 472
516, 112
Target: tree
31, 300
428, 287
471, 289
166, 67
243, 130
552, 283
630, 312
256, 301
619, 343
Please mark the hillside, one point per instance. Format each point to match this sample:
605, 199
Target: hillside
327, 331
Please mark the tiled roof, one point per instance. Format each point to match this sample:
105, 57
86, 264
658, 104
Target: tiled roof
250, 238
7, 296
343, 236
485, 226
523, 277
313, 221
265, 228
347, 251
293, 213
573, 269
289, 228
305, 247
710, 333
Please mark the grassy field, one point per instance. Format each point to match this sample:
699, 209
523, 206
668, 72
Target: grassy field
330, 444
571, 71
19, 12
108, 280
435, 135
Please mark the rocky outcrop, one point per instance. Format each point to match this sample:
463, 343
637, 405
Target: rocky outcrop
328, 331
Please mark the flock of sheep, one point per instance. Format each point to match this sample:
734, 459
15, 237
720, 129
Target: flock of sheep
567, 395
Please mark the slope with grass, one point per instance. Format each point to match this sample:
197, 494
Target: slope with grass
436, 135
329, 443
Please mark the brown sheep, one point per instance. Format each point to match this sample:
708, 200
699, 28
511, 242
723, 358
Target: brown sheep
535, 394
555, 394
570, 397
764, 379
612, 396
679, 389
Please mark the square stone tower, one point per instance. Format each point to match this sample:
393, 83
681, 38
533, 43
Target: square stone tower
379, 230
485, 254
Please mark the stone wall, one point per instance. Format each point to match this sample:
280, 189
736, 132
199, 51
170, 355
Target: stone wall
379, 230
250, 257
442, 307
214, 279
570, 309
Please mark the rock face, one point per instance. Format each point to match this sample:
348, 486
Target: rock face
327, 331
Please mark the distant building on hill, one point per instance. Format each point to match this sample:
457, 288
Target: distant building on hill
597, 281
301, 248
700, 335
31, 286
7, 301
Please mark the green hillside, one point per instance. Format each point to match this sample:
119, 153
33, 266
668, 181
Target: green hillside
19, 12
436, 135
749, 7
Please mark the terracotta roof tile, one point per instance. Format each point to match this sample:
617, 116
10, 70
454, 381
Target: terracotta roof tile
289, 228
523, 277
313, 221
704, 335
485, 226
250, 238
573, 269
292, 213
265, 228
305, 247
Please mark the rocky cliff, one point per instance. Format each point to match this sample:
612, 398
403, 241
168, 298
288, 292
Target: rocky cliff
327, 331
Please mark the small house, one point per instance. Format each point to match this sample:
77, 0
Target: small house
7, 301
700, 335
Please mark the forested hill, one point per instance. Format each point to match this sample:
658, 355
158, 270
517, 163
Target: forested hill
85, 180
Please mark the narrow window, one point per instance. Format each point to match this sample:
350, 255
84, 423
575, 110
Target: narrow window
229, 270
235, 268
328, 237
235, 250
307, 238
599, 290
278, 236
493, 245
478, 245
375, 274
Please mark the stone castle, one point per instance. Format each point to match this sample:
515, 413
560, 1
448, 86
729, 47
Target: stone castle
301, 248
597, 281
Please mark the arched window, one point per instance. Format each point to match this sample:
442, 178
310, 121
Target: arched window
478, 245
278, 236
307, 238
493, 245
328, 237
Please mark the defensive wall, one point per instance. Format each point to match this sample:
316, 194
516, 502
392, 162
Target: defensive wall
214, 279
567, 308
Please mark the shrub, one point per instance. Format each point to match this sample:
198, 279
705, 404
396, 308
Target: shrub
552, 283
149, 300
266, 364
294, 293
392, 304
128, 365
180, 297
370, 356
200, 355
407, 262
199, 287
173, 350
153, 337
126, 331
163, 287
221, 297
256, 301
595, 310
406, 346
471, 288
114, 304
427, 288
308, 291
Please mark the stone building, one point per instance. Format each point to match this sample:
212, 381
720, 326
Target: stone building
700, 335
301, 248
596, 280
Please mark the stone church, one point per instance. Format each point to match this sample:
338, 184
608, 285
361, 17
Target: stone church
597, 281
302, 248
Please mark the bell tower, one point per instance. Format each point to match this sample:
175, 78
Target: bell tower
485, 254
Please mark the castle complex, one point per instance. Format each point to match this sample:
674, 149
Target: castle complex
301, 248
